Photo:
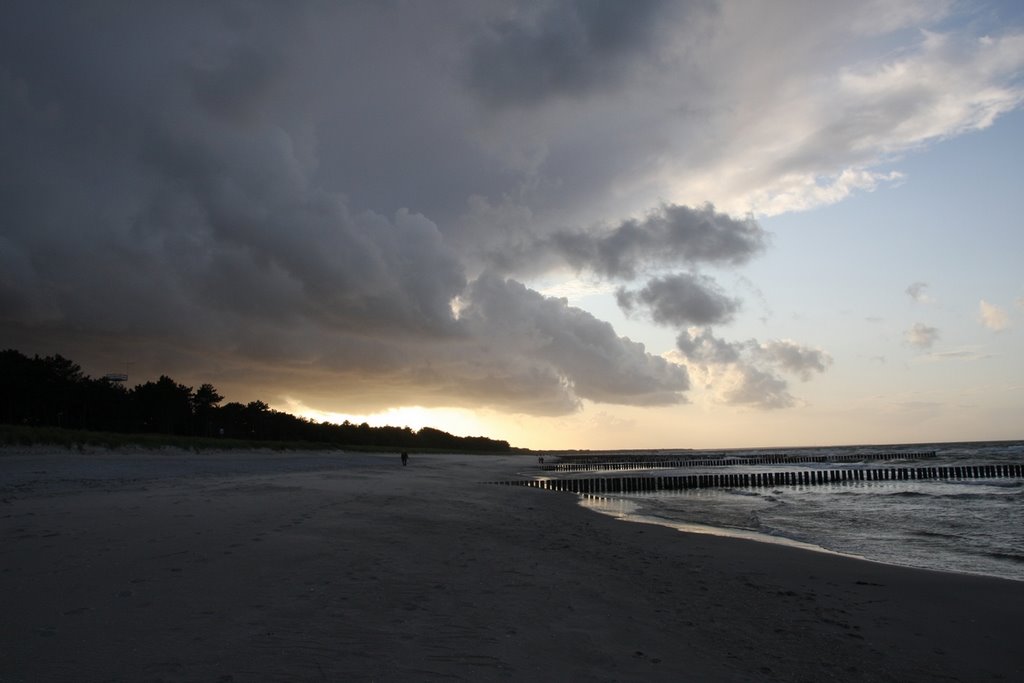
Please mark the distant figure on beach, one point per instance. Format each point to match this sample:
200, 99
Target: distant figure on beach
405, 458
540, 459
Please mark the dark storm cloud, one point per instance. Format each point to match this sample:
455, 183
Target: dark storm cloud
544, 334
283, 199
237, 83
176, 196
680, 300
671, 235
564, 48
512, 349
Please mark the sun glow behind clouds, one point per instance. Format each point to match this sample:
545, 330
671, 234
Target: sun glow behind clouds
456, 421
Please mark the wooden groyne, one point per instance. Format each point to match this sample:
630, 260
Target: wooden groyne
593, 464
763, 479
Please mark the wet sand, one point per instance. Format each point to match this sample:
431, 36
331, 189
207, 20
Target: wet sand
260, 567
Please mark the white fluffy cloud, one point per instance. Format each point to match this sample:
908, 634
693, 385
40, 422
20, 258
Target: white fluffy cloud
918, 291
993, 317
829, 130
795, 358
921, 336
746, 373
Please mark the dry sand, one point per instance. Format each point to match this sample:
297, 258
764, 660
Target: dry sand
260, 567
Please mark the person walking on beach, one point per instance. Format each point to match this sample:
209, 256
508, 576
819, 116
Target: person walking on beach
405, 458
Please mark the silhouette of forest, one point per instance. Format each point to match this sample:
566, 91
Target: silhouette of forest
54, 392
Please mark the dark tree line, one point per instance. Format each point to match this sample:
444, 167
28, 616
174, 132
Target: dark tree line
54, 392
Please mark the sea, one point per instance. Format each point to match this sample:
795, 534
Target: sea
973, 526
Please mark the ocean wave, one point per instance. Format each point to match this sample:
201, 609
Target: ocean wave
751, 493
1003, 483
932, 495
914, 494
935, 534
1013, 557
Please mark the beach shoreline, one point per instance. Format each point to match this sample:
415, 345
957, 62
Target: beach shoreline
252, 567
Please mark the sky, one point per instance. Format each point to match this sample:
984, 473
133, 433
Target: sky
574, 224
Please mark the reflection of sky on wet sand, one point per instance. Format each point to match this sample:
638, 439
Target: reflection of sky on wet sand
631, 511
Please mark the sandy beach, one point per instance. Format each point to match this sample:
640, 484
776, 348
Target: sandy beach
328, 567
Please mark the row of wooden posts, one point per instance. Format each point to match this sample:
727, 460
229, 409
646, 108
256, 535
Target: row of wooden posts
760, 479
648, 462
